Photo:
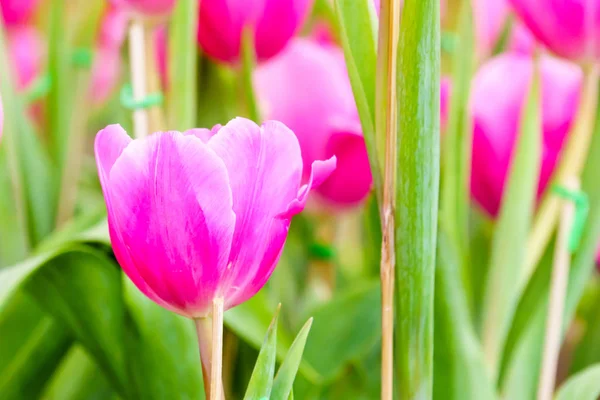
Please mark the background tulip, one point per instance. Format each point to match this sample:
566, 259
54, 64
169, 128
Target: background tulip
17, 11
569, 28
307, 88
27, 52
203, 214
273, 22
145, 7
1, 118
496, 105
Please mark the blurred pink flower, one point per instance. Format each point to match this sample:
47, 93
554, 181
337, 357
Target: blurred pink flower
491, 17
496, 105
308, 89
1, 118
113, 28
27, 52
16, 12
274, 23
161, 54
445, 91
149, 8
569, 28
202, 214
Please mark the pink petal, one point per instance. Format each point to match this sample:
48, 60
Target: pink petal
27, 49
203, 133
170, 207
265, 169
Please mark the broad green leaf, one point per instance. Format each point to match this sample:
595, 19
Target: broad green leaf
417, 185
79, 378
508, 252
183, 65
284, 380
587, 352
460, 371
457, 149
357, 23
32, 346
261, 382
582, 386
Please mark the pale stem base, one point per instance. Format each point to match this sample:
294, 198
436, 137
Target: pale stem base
210, 344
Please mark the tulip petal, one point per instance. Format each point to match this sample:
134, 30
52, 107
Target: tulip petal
265, 169
172, 205
108, 146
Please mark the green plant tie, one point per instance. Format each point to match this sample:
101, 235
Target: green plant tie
150, 100
38, 89
83, 57
320, 251
582, 207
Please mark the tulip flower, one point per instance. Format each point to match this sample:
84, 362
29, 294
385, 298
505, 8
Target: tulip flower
308, 89
161, 55
149, 8
15, 12
569, 28
26, 49
272, 23
203, 214
496, 107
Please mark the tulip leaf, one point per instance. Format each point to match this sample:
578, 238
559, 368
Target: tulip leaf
418, 85
183, 65
261, 382
460, 371
523, 350
284, 380
583, 386
457, 148
357, 23
508, 253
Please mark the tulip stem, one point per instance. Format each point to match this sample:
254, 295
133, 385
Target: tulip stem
248, 64
137, 62
386, 132
558, 292
210, 343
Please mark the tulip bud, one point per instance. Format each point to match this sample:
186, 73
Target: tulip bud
15, 12
202, 214
568, 28
308, 89
271, 22
147, 8
26, 49
496, 107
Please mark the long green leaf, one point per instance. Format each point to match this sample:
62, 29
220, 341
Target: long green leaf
583, 386
284, 380
460, 371
457, 148
357, 22
417, 195
508, 252
183, 65
261, 382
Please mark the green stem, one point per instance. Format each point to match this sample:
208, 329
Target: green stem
248, 65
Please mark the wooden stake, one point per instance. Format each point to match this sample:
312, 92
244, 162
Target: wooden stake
558, 292
216, 384
137, 62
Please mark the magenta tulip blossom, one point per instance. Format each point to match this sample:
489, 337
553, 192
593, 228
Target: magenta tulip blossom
496, 106
27, 52
149, 8
203, 214
308, 89
569, 28
272, 23
16, 12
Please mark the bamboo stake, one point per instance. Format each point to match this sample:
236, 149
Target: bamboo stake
137, 61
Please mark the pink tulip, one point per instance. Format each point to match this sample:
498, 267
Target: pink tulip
445, 90
16, 12
149, 8
273, 23
496, 106
202, 214
161, 54
26, 49
113, 28
569, 28
307, 88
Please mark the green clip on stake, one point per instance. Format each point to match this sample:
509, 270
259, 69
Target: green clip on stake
83, 57
321, 252
582, 207
127, 100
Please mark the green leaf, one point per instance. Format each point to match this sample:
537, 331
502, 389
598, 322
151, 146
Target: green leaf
582, 386
508, 252
261, 382
357, 22
417, 185
455, 198
183, 68
284, 380
460, 371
